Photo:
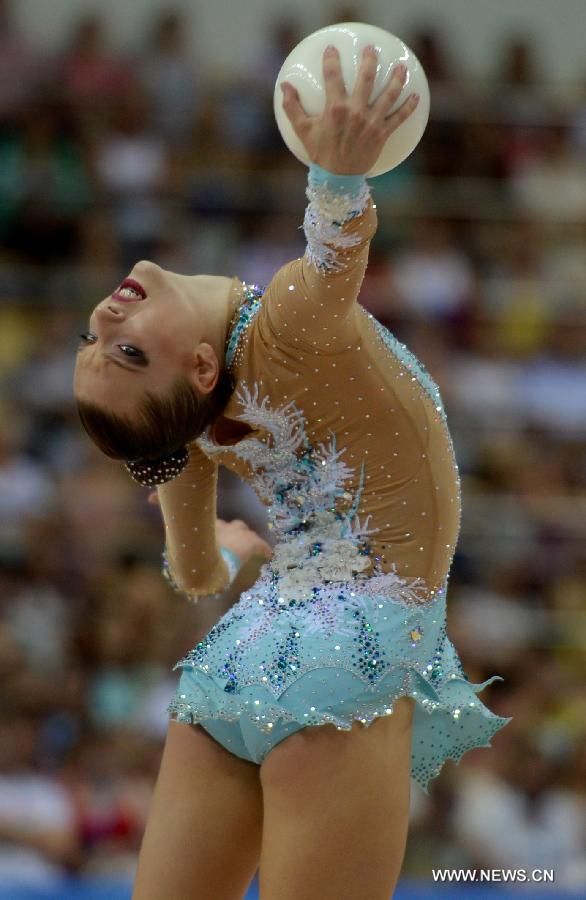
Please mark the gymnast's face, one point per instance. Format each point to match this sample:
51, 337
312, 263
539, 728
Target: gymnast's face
134, 343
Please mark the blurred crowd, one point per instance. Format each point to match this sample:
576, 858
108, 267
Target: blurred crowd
479, 265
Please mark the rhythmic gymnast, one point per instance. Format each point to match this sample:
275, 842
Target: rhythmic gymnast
302, 715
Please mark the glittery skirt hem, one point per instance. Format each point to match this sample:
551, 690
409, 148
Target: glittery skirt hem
449, 719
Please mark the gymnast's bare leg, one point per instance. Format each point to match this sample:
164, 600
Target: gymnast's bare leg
203, 834
336, 809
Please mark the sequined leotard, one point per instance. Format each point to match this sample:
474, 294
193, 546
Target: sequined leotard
350, 451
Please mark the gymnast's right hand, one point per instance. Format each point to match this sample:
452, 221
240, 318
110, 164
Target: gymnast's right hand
348, 136
242, 540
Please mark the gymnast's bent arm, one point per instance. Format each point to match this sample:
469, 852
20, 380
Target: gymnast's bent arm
192, 561
205, 556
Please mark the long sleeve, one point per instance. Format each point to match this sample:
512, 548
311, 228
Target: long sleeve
188, 503
311, 301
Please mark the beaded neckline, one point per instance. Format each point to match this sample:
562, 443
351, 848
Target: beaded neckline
252, 296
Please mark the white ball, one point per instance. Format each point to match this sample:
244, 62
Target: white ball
303, 68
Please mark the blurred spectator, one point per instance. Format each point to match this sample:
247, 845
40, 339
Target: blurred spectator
240, 107
126, 638
447, 85
50, 365
27, 487
266, 244
432, 278
284, 34
109, 778
442, 153
37, 828
518, 92
518, 99
134, 167
564, 269
39, 616
345, 12
173, 83
494, 621
577, 118
546, 390
23, 70
522, 819
103, 515
518, 96
552, 185
43, 382
90, 75
44, 185
516, 295
432, 843
553, 384
243, 120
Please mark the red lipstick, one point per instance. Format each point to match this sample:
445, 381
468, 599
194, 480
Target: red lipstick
135, 286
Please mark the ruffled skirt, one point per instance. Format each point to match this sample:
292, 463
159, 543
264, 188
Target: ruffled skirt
341, 653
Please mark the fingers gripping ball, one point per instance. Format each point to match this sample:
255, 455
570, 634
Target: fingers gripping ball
303, 69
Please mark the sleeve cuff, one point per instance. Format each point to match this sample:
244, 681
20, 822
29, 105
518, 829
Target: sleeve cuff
338, 184
233, 562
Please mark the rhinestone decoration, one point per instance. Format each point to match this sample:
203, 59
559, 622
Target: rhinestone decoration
252, 296
149, 473
349, 446
416, 634
325, 215
412, 364
323, 607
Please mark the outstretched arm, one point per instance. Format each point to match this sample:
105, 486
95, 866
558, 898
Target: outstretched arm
312, 300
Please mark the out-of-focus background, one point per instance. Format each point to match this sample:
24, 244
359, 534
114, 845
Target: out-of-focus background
146, 130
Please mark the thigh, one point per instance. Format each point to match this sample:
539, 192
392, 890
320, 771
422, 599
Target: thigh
336, 810
203, 833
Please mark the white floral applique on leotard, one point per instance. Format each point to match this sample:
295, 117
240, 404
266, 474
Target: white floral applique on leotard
317, 543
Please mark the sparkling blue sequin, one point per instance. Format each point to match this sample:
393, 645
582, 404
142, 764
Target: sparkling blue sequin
250, 304
325, 636
261, 674
411, 362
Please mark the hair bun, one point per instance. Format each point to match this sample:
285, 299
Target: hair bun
158, 471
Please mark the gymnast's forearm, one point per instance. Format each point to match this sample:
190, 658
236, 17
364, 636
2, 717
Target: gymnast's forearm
192, 557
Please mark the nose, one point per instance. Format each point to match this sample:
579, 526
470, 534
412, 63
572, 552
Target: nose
146, 267
110, 312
